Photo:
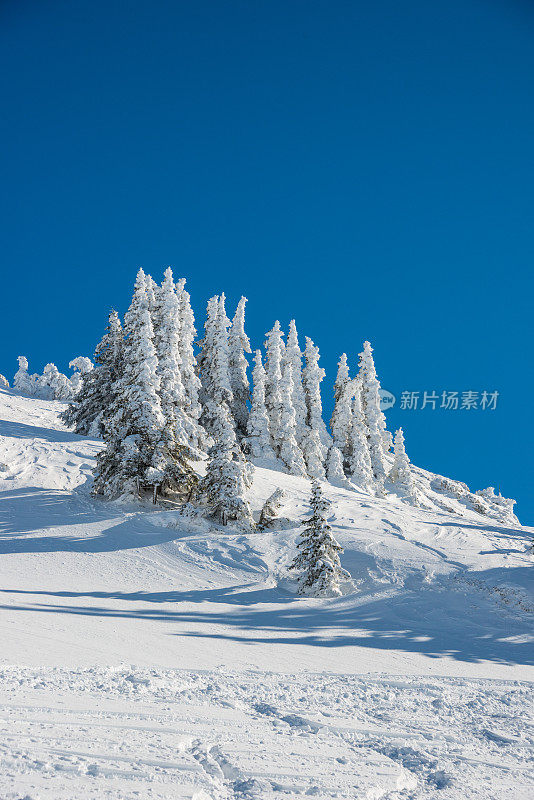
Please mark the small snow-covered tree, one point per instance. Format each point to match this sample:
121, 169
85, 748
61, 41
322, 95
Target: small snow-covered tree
401, 474
23, 381
359, 459
81, 366
314, 453
292, 356
238, 345
334, 468
4, 383
289, 450
312, 375
93, 402
53, 385
228, 473
258, 442
270, 510
341, 421
274, 346
317, 560
379, 438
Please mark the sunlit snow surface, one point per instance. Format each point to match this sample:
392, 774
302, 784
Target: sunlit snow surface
145, 658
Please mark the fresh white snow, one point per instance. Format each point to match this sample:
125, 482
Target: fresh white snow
144, 655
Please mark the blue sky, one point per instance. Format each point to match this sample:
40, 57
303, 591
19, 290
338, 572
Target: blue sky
367, 168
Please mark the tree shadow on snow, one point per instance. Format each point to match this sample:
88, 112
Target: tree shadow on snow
25, 511
433, 622
20, 430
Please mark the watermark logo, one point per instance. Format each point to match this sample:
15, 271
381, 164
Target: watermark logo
445, 400
387, 400
450, 401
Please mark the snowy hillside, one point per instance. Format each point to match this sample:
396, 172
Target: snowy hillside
149, 655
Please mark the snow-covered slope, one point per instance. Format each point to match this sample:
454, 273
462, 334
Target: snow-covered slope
144, 655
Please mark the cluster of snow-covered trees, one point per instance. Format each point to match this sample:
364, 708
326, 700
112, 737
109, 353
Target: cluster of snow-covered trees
52, 384
160, 406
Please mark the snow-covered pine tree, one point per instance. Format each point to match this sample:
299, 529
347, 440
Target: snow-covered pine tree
139, 450
312, 375
151, 293
228, 473
270, 509
23, 381
341, 421
401, 474
274, 347
289, 452
315, 439
293, 357
53, 385
166, 313
188, 368
317, 559
92, 404
258, 442
334, 468
213, 364
314, 453
379, 438
238, 345
359, 459
81, 366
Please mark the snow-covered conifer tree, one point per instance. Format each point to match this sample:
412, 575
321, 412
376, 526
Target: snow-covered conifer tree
341, 420
270, 509
238, 345
317, 559
293, 357
334, 468
258, 442
94, 400
228, 472
401, 474
312, 375
359, 459
53, 385
188, 367
23, 381
81, 366
379, 438
213, 364
151, 293
289, 450
167, 344
137, 452
274, 346
314, 453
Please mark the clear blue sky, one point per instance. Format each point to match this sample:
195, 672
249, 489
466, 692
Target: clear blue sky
367, 168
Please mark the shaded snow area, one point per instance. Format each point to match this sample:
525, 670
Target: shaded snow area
145, 654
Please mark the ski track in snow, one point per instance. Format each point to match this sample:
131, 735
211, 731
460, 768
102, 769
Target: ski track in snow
115, 733
144, 659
